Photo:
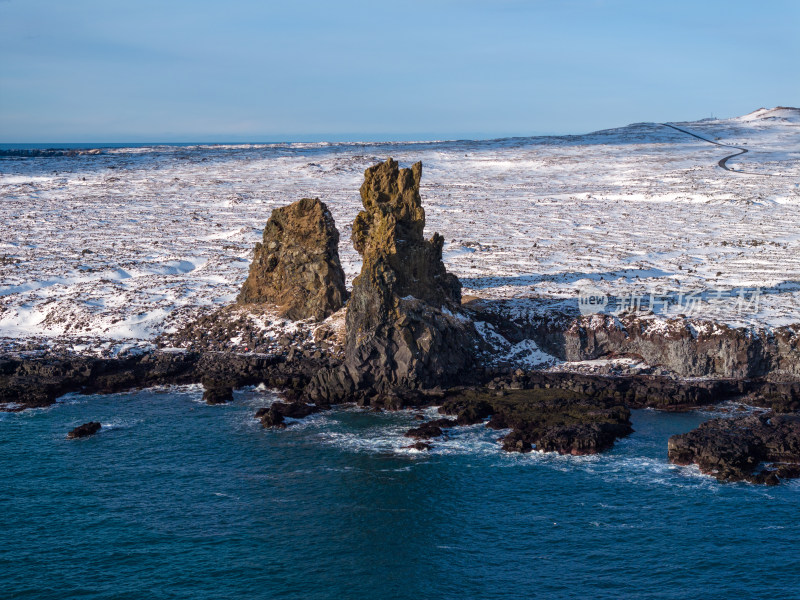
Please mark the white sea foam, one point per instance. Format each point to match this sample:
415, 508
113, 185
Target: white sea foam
626, 462
73, 398
117, 423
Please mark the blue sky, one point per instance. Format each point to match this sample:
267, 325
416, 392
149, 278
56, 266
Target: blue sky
102, 70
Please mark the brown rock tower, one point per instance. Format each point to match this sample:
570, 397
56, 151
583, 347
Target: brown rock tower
297, 267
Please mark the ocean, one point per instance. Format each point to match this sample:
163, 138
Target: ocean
177, 499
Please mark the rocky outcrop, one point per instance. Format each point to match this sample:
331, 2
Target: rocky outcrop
217, 391
761, 448
684, 346
647, 391
405, 329
419, 446
545, 419
430, 429
388, 234
234, 329
85, 430
276, 414
687, 347
37, 382
296, 267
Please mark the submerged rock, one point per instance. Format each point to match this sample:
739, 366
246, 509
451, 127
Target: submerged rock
420, 446
85, 430
405, 329
741, 448
297, 265
431, 429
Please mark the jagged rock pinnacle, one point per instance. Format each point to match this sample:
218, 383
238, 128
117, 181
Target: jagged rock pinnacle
404, 330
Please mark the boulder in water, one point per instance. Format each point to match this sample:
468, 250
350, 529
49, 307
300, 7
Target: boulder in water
85, 430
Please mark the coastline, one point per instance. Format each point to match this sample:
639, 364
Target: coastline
498, 398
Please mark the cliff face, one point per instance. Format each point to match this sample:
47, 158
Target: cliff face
405, 331
296, 267
687, 347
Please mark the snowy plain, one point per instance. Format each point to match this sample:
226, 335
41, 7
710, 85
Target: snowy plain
121, 245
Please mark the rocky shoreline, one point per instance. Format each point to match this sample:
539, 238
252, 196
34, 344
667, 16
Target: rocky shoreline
545, 411
760, 448
407, 339
38, 381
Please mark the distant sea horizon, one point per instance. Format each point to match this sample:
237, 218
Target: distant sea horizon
338, 138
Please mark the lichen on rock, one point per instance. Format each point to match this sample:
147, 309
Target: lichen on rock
388, 233
296, 266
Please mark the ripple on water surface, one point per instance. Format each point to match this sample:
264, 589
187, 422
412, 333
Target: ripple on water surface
177, 499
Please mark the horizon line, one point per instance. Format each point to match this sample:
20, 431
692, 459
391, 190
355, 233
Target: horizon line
364, 138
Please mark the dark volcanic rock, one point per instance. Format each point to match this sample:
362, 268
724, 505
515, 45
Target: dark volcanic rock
85, 430
474, 412
275, 415
548, 420
38, 381
297, 265
216, 391
735, 449
431, 429
35, 382
405, 330
645, 391
687, 347
424, 432
421, 446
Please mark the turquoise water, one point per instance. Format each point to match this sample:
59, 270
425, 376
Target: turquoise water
176, 499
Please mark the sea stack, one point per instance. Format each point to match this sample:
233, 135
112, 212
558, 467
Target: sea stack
296, 266
405, 329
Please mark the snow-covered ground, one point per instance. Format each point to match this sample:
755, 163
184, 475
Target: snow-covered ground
124, 244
